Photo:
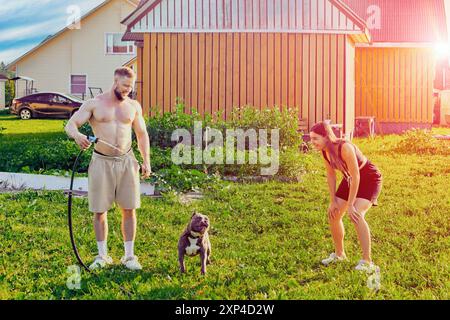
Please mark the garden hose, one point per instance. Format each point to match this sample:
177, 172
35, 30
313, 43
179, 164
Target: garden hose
69, 206
69, 211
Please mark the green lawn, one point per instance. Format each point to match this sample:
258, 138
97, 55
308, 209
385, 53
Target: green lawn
35, 146
14, 128
267, 239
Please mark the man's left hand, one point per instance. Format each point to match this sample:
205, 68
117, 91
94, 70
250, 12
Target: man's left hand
146, 170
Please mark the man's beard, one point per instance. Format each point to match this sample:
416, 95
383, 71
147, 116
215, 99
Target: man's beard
118, 95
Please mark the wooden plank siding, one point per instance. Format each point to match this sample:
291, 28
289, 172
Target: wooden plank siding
257, 16
395, 84
139, 74
219, 71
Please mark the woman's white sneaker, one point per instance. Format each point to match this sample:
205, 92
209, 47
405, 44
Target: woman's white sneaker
363, 265
131, 263
333, 258
101, 262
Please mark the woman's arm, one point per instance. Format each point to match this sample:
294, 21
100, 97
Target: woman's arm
333, 209
349, 156
331, 179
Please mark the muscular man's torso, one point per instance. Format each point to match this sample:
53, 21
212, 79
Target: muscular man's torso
112, 123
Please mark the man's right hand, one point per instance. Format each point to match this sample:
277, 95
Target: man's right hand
82, 141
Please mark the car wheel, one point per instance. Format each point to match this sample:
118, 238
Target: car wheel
25, 114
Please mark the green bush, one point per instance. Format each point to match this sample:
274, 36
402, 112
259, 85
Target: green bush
44, 155
161, 126
286, 120
84, 129
418, 141
57, 154
292, 163
5, 112
159, 158
35, 155
295, 164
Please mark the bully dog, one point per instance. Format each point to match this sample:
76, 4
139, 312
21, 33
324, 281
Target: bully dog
194, 241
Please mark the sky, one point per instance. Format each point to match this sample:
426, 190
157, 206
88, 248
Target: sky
25, 23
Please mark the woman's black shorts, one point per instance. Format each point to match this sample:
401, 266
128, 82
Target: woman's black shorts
370, 184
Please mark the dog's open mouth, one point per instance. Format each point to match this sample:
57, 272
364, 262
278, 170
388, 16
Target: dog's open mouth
201, 228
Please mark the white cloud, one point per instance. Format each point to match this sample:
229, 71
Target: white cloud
23, 32
87, 5
12, 10
8, 7
10, 55
29, 31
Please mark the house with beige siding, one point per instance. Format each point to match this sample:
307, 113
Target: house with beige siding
79, 61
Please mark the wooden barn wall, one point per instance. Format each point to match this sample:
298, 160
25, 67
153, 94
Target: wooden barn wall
395, 84
349, 102
219, 71
139, 75
244, 16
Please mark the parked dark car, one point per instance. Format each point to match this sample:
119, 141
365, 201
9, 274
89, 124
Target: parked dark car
46, 105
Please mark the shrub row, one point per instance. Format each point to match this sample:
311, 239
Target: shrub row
419, 141
161, 126
57, 154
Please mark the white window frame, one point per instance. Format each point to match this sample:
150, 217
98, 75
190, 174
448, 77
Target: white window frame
70, 83
118, 53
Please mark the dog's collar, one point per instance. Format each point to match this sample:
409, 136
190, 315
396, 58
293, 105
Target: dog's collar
195, 235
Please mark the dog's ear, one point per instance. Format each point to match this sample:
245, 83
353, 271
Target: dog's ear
193, 214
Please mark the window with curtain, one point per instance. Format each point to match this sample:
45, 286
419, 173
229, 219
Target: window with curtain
78, 84
115, 45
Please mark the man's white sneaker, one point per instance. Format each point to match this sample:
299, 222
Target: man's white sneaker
131, 263
101, 262
333, 258
363, 265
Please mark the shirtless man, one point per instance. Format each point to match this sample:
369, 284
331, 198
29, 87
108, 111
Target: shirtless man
113, 174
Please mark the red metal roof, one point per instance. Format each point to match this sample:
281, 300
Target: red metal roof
131, 36
404, 20
141, 4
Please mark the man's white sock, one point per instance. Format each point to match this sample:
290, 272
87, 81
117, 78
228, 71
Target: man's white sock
102, 248
129, 248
